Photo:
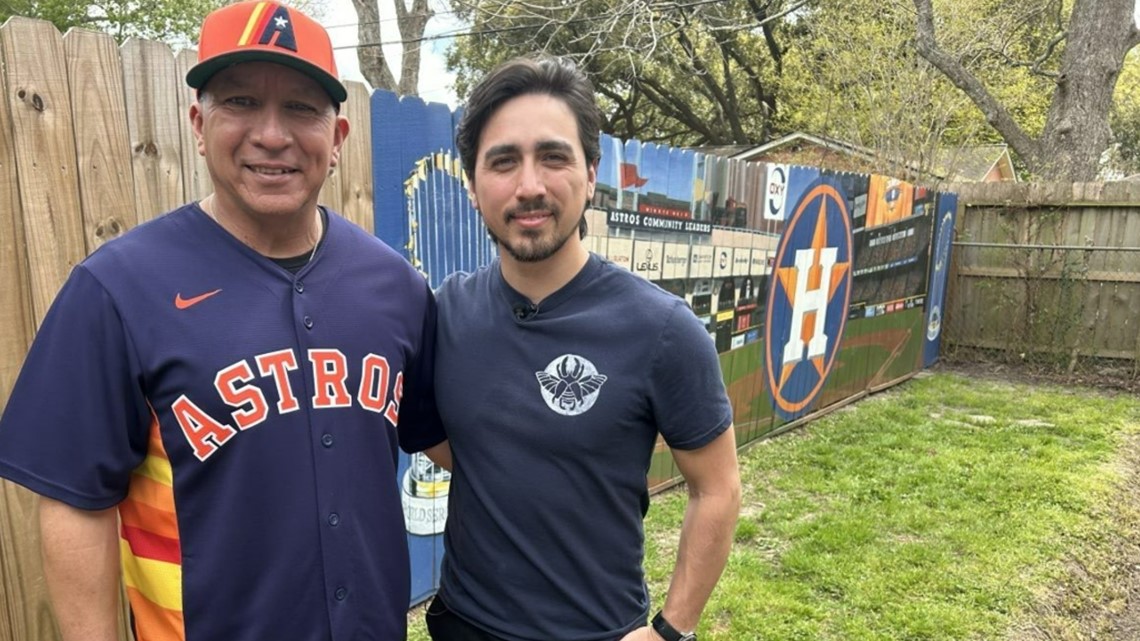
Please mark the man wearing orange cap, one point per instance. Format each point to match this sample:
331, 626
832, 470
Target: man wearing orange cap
210, 408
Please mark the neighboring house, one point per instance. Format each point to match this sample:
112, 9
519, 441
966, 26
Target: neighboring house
980, 163
983, 163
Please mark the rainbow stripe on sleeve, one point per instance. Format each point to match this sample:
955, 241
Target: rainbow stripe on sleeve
150, 548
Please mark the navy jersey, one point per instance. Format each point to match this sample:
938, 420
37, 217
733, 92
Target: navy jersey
244, 421
552, 417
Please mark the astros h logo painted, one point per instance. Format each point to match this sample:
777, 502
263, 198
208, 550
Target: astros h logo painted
808, 299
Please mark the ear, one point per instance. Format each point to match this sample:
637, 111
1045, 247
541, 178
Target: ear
471, 194
591, 180
339, 134
196, 125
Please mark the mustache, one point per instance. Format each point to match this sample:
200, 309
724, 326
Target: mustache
533, 205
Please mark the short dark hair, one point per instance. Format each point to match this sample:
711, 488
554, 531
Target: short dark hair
550, 75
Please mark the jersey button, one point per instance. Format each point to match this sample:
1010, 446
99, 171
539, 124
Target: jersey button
327, 440
334, 519
299, 286
308, 322
340, 594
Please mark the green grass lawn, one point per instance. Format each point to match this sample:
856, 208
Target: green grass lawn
947, 508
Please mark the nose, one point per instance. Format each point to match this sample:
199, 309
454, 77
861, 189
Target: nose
530, 182
271, 130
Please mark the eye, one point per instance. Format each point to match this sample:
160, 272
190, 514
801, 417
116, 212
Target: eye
301, 107
240, 101
501, 162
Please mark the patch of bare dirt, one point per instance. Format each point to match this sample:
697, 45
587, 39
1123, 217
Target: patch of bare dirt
1107, 376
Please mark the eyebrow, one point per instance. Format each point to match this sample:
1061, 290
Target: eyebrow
545, 145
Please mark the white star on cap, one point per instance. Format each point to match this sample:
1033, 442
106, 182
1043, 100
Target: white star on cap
281, 22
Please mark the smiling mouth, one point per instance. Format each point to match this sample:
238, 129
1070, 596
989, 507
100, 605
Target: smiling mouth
531, 219
265, 171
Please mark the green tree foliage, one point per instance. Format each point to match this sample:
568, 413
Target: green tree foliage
1125, 118
745, 71
683, 72
852, 72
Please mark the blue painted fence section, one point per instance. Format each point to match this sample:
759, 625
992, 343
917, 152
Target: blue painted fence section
815, 286
939, 267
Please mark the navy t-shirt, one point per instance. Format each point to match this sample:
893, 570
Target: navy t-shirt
552, 418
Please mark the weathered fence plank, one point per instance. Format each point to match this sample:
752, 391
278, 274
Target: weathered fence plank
356, 159
16, 543
101, 140
44, 143
196, 183
151, 88
15, 293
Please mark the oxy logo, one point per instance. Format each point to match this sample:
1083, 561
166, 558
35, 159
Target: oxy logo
777, 192
570, 384
808, 299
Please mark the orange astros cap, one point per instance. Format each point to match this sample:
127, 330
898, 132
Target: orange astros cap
267, 32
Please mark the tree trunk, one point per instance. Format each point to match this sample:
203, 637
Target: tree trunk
412, 25
373, 65
1076, 131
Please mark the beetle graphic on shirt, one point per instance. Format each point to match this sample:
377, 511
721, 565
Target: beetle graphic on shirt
570, 384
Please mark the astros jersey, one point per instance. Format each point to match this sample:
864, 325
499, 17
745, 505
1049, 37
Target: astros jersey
552, 417
244, 421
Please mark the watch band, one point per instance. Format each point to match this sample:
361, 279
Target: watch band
668, 632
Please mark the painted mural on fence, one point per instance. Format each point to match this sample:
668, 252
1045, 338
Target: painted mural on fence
815, 286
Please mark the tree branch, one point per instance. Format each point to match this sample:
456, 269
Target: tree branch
996, 114
763, 99
623, 109
704, 76
679, 111
1036, 66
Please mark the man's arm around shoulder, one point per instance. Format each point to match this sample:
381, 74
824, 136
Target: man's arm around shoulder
713, 478
81, 566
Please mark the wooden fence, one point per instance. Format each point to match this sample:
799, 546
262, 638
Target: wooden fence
1049, 273
94, 139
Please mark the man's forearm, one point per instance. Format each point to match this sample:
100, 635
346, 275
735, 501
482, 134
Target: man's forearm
81, 566
440, 454
706, 539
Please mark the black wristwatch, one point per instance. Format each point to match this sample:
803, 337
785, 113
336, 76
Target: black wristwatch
668, 632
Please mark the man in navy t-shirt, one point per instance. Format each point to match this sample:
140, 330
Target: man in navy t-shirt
555, 373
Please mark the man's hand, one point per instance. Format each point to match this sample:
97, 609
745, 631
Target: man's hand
440, 454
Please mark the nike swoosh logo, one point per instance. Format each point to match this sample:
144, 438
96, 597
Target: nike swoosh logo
184, 303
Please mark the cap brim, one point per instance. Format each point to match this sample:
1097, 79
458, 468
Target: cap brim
201, 73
